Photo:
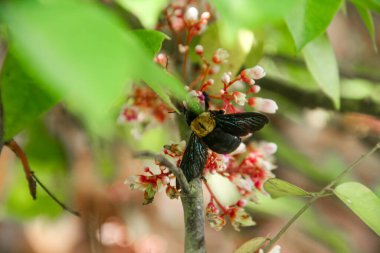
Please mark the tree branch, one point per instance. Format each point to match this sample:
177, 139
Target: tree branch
172, 168
192, 203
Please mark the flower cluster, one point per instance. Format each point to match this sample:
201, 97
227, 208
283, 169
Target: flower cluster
235, 92
248, 167
144, 109
181, 16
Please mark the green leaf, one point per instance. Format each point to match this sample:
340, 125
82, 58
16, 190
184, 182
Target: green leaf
250, 14
321, 62
370, 4
366, 16
362, 201
310, 19
280, 188
23, 99
252, 245
151, 39
147, 11
84, 54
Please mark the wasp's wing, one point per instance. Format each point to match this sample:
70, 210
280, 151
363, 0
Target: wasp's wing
241, 124
194, 158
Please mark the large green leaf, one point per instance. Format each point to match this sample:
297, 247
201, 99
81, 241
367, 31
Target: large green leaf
83, 53
370, 4
362, 201
321, 62
310, 19
23, 99
147, 11
250, 14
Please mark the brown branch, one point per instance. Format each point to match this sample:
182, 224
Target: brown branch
172, 168
192, 203
33, 179
25, 165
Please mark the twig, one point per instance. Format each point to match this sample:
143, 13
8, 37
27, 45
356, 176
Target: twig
60, 203
33, 179
25, 165
320, 194
172, 168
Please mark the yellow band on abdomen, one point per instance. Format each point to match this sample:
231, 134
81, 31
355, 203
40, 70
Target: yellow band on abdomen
203, 124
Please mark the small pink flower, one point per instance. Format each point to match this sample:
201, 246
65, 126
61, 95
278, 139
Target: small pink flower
239, 97
220, 56
263, 104
205, 15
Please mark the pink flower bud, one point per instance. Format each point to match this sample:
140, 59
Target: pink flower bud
264, 105
191, 15
199, 49
226, 78
255, 88
205, 15
242, 203
161, 59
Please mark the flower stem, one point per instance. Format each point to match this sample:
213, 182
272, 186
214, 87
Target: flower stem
320, 194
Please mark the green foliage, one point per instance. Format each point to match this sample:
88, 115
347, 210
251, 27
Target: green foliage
362, 201
250, 14
151, 39
23, 99
147, 11
251, 246
366, 16
310, 19
370, 4
280, 188
320, 60
84, 54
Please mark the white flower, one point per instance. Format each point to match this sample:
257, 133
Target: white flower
256, 72
239, 97
182, 48
221, 55
226, 78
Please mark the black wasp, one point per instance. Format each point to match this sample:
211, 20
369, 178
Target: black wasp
218, 131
